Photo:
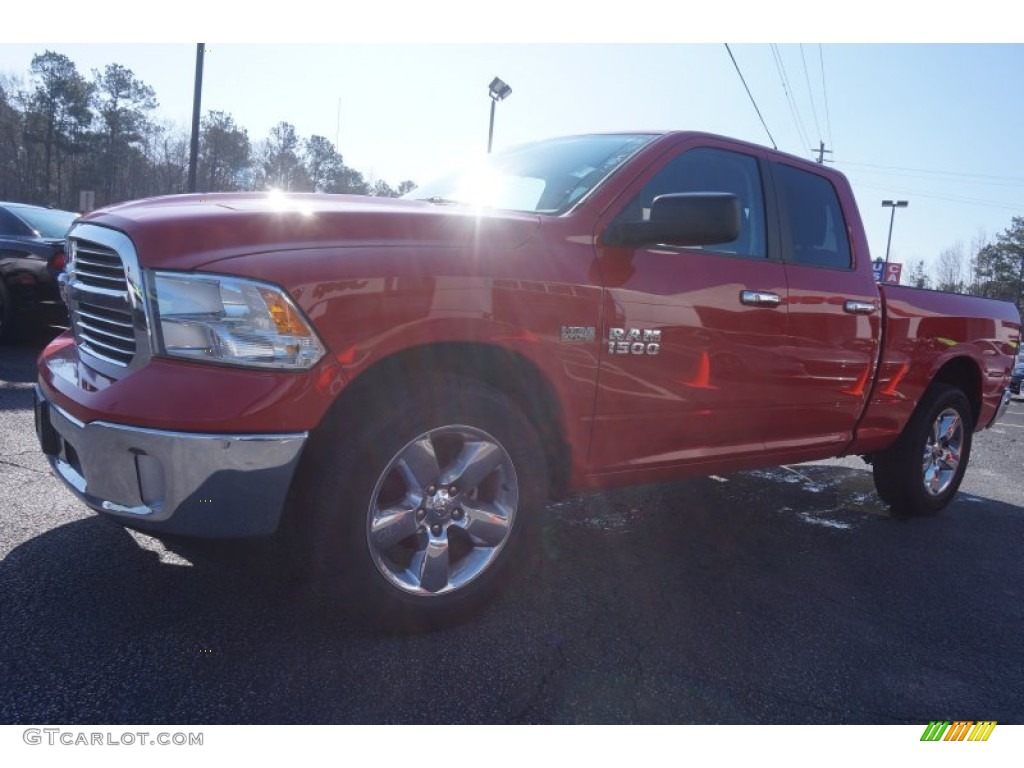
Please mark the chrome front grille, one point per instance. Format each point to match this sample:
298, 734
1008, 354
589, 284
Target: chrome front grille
99, 267
103, 299
105, 332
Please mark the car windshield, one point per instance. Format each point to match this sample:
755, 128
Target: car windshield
47, 222
543, 177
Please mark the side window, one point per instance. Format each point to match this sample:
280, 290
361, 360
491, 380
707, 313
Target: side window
11, 225
712, 170
817, 229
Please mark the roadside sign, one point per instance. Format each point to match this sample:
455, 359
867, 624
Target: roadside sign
887, 273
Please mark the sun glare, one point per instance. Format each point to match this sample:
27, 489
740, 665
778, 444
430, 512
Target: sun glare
283, 202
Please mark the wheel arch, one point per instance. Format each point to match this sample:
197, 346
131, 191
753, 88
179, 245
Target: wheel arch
964, 374
505, 370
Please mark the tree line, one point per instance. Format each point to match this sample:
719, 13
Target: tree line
62, 133
993, 268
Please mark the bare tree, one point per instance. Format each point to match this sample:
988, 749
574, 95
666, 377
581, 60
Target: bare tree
168, 158
951, 269
979, 242
918, 277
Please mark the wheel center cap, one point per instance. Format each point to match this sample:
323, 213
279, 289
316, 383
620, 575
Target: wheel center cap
440, 504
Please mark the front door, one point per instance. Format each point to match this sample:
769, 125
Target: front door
694, 339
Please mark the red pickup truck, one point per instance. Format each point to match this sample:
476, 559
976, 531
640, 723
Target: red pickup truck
403, 383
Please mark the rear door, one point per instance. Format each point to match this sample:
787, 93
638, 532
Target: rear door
834, 311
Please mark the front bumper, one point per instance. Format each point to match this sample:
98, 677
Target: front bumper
218, 486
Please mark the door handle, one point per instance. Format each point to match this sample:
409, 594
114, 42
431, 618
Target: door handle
760, 298
860, 307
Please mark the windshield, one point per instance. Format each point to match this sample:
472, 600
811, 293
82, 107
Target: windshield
543, 177
48, 222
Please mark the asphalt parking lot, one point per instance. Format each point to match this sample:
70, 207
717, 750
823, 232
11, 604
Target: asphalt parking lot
781, 596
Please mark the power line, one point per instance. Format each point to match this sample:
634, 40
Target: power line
756, 109
781, 69
966, 200
824, 91
1019, 179
810, 94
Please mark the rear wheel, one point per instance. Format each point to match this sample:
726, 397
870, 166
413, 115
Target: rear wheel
420, 513
922, 471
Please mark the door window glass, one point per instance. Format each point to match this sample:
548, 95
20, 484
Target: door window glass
711, 170
817, 230
11, 226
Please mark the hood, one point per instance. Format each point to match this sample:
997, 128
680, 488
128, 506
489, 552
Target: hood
189, 231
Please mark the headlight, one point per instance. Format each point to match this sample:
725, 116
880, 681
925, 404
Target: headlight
222, 319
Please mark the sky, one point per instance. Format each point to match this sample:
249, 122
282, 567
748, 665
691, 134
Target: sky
935, 124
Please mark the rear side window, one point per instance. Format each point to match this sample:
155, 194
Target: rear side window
711, 170
11, 225
817, 229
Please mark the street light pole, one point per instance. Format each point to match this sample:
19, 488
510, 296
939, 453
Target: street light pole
499, 90
490, 131
894, 204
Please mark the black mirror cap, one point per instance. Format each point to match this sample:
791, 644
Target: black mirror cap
685, 219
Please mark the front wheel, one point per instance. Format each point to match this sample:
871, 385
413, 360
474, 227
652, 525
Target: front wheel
420, 513
7, 330
922, 471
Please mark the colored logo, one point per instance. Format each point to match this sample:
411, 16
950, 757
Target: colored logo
960, 730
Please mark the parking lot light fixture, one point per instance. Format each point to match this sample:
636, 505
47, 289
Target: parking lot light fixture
894, 204
499, 91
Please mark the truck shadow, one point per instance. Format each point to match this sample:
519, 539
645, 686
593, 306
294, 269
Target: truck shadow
748, 598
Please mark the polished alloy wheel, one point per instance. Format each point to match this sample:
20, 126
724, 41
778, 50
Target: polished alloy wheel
942, 452
442, 510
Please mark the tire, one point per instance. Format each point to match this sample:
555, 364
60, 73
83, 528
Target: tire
421, 498
922, 471
7, 330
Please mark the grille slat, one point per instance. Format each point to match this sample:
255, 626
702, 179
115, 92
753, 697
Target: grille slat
101, 315
123, 320
96, 264
103, 281
106, 336
89, 340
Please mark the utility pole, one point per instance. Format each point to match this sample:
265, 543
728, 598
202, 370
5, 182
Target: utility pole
193, 156
822, 152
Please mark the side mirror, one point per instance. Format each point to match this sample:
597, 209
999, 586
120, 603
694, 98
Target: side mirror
686, 219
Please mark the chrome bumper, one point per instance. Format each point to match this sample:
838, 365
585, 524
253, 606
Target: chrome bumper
220, 486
